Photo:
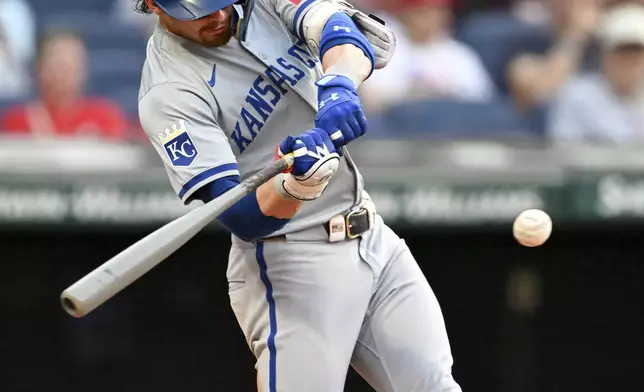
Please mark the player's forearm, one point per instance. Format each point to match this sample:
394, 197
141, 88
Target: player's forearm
344, 50
257, 215
273, 204
347, 60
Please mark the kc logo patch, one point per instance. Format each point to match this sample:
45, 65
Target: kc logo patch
178, 145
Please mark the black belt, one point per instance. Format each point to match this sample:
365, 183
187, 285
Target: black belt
356, 223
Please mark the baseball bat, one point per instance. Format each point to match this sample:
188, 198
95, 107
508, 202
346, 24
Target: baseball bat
111, 277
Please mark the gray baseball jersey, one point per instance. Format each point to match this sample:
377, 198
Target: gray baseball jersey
308, 308
213, 112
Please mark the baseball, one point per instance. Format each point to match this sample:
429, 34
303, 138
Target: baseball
532, 228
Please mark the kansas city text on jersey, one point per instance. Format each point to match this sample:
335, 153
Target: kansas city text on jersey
264, 95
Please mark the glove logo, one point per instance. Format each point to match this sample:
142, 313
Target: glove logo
178, 145
338, 28
332, 97
322, 151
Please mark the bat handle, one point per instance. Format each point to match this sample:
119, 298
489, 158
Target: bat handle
287, 161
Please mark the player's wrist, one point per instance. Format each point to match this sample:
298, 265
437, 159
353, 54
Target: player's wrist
348, 61
355, 76
278, 183
334, 80
289, 188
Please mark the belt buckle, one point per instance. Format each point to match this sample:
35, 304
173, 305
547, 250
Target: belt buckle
347, 218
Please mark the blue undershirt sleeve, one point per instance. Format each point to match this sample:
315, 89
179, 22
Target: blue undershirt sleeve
244, 219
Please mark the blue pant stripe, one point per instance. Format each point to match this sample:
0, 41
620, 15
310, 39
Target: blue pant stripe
272, 360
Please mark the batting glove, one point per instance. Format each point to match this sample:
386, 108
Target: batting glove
339, 111
315, 163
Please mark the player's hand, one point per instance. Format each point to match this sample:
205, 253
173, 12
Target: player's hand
315, 163
339, 111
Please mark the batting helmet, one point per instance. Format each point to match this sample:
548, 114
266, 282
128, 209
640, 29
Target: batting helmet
192, 9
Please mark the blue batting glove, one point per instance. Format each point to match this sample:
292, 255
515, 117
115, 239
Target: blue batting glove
315, 163
310, 149
339, 111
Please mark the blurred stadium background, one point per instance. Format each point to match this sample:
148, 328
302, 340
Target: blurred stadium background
489, 108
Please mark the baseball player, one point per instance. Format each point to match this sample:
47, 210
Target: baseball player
317, 281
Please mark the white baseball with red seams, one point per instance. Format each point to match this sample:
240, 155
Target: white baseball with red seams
532, 228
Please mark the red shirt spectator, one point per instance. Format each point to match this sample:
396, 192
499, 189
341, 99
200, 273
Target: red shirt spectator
62, 109
88, 117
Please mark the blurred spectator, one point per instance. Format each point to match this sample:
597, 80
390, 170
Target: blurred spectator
538, 12
17, 42
533, 78
534, 12
123, 12
471, 6
428, 63
607, 107
62, 109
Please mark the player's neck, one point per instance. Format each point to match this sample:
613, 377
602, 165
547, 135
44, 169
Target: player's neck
168, 30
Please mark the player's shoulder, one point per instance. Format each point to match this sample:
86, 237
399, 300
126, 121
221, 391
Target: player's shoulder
170, 97
167, 63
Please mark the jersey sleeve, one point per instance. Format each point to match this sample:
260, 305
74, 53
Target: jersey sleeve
292, 12
182, 128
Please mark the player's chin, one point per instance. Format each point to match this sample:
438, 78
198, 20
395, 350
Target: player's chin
214, 40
